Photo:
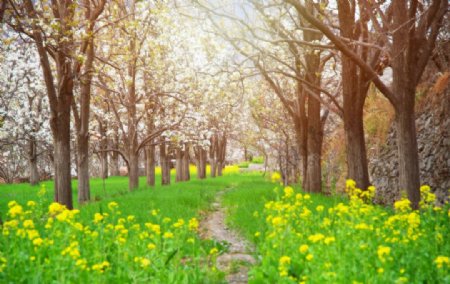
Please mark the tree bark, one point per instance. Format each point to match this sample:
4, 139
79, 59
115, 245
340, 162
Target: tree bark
164, 161
82, 125
150, 165
355, 87
61, 138
178, 165
114, 155
32, 159
103, 146
133, 171
186, 175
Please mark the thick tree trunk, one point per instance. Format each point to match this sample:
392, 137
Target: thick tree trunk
150, 168
408, 156
32, 158
83, 169
355, 87
133, 171
165, 167
219, 168
63, 179
355, 146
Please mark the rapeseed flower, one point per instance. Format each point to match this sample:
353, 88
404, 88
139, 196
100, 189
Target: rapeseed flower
442, 261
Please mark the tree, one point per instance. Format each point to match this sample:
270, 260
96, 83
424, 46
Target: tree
414, 28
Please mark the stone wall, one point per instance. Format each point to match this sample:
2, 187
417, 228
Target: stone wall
433, 130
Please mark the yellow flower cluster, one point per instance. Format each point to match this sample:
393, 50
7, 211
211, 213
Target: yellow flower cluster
100, 243
312, 233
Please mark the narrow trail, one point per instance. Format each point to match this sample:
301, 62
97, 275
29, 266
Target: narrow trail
236, 260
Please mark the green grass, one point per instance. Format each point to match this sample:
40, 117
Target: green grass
245, 202
178, 200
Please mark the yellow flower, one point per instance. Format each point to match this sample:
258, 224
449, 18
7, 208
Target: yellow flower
380, 270
329, 240
441, 261
145, 262
309, 257
257, 234
55, 208
288, 191
278, 221
31, 203
193, 224
276, 177
101, 267
28, 224
168, 235
11, 224
113, 205
32, 234
179, 223
402, 205
316, 238
151, 246
98, 218
285, 260
15, 210
37, 242
383, 252
319, 208
303, 248
82, 263
130, 218
167, 220
213, 251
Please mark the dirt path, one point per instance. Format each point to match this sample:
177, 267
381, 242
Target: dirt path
235, 262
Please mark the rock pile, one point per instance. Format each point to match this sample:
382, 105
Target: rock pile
433, 130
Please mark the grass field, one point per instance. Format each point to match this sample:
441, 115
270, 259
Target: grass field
151, 235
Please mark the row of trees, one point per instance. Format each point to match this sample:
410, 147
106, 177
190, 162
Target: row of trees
133, 75
320, 57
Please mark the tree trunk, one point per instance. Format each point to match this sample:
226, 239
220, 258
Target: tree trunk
150, 165
103, 147
219, 168
178, 165
213, 166
32, 158
409, 174
133, 171
186, 175
114, 155
355, 146
355, 87
83, 169
165, 167
63, 179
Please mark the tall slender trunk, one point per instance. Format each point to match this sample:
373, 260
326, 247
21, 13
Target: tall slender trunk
133, 171
186, 175
164, 161
32, 160
114, 155
83, 170
178, 165
103, 147
150, 151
